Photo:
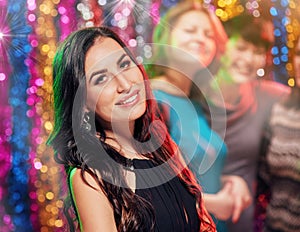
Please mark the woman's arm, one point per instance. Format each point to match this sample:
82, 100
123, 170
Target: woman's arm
94, 210
220, 204
240, 192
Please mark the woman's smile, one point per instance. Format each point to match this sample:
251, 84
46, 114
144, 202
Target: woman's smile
131, 99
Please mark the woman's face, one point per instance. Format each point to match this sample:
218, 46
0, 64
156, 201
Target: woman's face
297, 63
243, 59
193, 34
115, 85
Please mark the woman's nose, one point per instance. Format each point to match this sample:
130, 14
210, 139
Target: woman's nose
199, 35
123, 83
249, 56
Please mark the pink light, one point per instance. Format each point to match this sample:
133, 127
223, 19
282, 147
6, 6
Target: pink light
31, 6
34, 43
31, 17
8, 132
132, 43
2, 77
30, 113
118, 16
39, 82
62, 10
38, 165
65, 19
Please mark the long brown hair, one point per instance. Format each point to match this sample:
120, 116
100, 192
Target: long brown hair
132, 212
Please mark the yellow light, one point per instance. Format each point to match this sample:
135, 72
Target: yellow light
41, 198
51, 222
48, 208
289, 28
44, 169
49, 195
58, 223
221, 3
45, 48
291, 82
292, 4
219, 12
228, 2
289, 66
54, 210
48, 125
240, 9
59, 203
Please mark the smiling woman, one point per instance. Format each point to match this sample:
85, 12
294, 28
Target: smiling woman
114, 79
107, 136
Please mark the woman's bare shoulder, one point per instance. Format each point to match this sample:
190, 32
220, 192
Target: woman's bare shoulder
91, 203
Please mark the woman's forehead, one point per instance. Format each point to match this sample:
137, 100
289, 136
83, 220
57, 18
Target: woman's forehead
104, 52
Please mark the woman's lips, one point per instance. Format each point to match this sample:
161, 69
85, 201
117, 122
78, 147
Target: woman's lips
131, 99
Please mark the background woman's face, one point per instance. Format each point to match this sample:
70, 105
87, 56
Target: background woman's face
243, 59
193, 33
297, 63
115, 85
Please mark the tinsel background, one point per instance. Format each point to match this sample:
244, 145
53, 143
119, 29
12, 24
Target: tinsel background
32, 186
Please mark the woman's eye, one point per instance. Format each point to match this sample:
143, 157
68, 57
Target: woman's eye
100, 79
125, 64
260, 52
209, 35
241, 48
189, 30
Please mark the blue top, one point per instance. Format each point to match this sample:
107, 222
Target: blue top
202, 148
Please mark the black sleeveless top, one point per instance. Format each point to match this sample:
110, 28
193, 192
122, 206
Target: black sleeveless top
174, 207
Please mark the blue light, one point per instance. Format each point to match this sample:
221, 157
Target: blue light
273, 11
284, 50
285, 21
16, 196
277, 32
19, 208
284, 3
276, 61
274, 51
17, 179
284, 58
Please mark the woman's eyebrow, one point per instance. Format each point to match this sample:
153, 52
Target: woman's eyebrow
121, 58
97, 73
105, 70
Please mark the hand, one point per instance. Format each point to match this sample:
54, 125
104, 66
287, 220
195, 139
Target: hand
221, 203
240, 193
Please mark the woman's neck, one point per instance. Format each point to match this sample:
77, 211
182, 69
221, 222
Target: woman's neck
228, 90
230, 93
120, 137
